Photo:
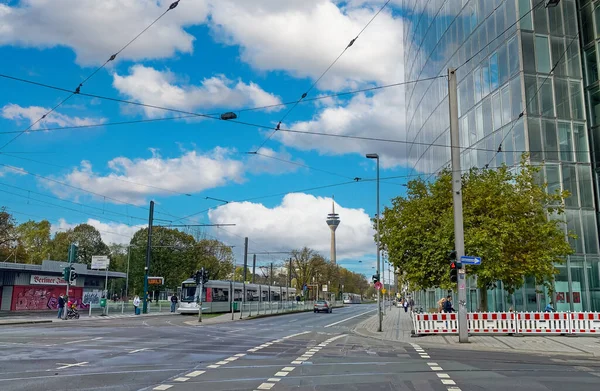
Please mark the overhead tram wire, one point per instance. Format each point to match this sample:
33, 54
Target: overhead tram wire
78, 89
304, 95
188, 114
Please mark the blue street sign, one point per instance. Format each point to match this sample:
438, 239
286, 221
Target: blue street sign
468, 260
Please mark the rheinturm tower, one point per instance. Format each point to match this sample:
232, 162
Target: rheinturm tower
333, 220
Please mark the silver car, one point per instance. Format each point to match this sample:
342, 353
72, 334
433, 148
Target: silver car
323, 306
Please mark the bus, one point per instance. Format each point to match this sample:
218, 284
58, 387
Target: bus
217, 297
351, 298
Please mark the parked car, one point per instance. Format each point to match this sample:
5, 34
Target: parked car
323, 306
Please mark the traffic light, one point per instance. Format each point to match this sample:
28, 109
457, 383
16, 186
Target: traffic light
453, 272
66, 273
205, 276
73, 275
72, 253
375, 278
198, 277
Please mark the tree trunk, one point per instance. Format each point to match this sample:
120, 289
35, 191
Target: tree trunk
483, 295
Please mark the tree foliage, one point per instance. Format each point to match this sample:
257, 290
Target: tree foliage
86, 237
34, 240
176, 256
506, 222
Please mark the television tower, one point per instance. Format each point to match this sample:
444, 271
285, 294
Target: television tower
333, 221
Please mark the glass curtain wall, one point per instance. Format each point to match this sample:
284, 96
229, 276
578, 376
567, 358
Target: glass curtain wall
520, 86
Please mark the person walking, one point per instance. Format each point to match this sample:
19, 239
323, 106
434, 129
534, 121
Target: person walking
448, 305
136, 304
174, 301
405, 305
61, 306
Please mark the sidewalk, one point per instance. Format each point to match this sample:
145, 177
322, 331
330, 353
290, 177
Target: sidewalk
397, 327
51, 318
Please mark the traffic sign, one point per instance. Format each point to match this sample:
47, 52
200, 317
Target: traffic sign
378, 285
469, 260
100, 262
383, 290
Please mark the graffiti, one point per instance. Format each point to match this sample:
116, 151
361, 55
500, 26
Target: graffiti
26, 298
92, 297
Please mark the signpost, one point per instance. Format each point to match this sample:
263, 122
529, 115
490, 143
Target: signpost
378, 285
156, 280
469, 260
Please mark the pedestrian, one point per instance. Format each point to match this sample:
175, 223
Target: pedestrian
136, 304
448, 305
405, 305
61, 306
174, 301
411, 303
441, 304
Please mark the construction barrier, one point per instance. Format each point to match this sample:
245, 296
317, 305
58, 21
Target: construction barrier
437, 323
585, 322
491, 322
528, 323
543, 322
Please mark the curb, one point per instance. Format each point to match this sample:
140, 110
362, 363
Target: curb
282, 313
18, 322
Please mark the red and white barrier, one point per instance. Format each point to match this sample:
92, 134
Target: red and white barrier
528, 323
585, 323
543, 323
491, 322
437, 323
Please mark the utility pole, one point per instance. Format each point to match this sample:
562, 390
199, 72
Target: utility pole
253, 267
459, 234
271, 275
290, 274
245, 258
148, 255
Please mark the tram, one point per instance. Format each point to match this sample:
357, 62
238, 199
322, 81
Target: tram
217, 297
351, 298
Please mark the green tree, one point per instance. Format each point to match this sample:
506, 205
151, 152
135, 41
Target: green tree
34, 238
86, 237
509, 220
8, 236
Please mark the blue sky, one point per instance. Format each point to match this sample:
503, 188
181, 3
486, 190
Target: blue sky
204, 57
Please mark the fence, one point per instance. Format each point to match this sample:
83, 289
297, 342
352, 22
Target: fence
528, 323
121, 307
267, 308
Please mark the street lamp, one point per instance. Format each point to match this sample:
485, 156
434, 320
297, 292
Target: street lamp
380, 315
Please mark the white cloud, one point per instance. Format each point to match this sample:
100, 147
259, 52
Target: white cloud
150, 86
6, 170
96, 29
378, 116
304, 37
112, 232
33, 113
132, 180
297, 222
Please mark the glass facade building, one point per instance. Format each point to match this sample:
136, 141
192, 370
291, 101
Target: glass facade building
528, 81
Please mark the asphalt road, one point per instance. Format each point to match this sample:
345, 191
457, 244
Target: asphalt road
303, 351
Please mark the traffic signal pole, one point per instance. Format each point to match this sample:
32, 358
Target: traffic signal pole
148, 255
459, 234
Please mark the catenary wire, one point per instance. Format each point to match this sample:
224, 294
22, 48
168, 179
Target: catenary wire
78, 89
304, 95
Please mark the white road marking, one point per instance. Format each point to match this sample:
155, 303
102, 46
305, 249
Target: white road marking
222, 362
281, 374
266, 386
296, 362
182, 379
213, 366
443, 375
425, 356
79, 364
162, 387
436, 369
230, 359
253, 350
448, 382
352, 317
453, 389
139, 350
240, 355
288, 369
273, 379
432, 364
195, 373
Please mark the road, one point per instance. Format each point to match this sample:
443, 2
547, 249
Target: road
303, 351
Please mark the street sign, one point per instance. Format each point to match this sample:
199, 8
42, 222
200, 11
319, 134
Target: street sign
378, 285
156, 280
383, 290
324, 288
468, 260
100, 262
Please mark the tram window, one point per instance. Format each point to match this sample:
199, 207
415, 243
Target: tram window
251, 295
220, 294
276, 296
238, 295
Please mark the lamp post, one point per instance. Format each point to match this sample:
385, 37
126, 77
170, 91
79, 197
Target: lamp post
380, 315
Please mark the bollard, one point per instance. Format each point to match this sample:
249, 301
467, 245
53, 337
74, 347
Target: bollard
123, 307
90, 307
